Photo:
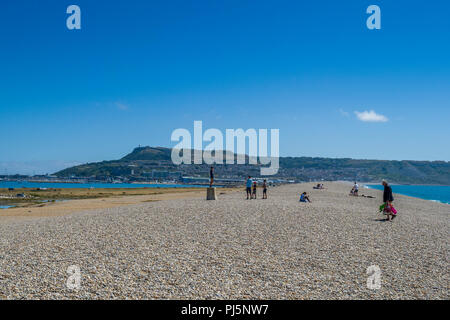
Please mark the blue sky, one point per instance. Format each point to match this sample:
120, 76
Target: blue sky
137, 70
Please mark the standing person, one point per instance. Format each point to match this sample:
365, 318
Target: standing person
387, 199
211, 176
254, 189
355, 189
249, 187
264, 189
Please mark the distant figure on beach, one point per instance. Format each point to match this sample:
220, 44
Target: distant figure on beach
389, 210
264, 196
319, 186
254, 190
211, 176
354, 191
304, 197
249, 187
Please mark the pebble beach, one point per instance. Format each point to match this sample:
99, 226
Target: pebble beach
233, 248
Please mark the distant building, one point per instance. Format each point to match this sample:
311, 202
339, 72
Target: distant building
158, 174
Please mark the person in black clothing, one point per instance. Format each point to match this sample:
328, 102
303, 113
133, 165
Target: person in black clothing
211, 176
388, 198
264, 189
254, 190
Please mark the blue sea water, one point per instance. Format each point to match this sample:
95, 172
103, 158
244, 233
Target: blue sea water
434, 193
54, 185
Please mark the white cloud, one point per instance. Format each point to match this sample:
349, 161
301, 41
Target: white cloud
370, 116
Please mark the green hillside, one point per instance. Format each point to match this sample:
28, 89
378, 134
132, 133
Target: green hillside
148, 153
142, 161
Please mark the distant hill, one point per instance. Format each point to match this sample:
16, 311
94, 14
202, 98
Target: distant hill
143, 162
148, 153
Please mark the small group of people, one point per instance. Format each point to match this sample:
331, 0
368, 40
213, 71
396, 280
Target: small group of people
304, 196
251, 187
354, 191
387, 208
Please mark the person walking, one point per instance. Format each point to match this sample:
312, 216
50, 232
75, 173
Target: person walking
387, 199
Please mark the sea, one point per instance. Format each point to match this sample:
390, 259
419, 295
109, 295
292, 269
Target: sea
433, 193
60, 185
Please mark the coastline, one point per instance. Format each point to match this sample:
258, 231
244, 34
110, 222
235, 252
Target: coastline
86, 199
412, 194
408, 184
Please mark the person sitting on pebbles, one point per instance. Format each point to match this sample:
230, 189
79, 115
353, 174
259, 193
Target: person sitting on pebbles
304, 197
